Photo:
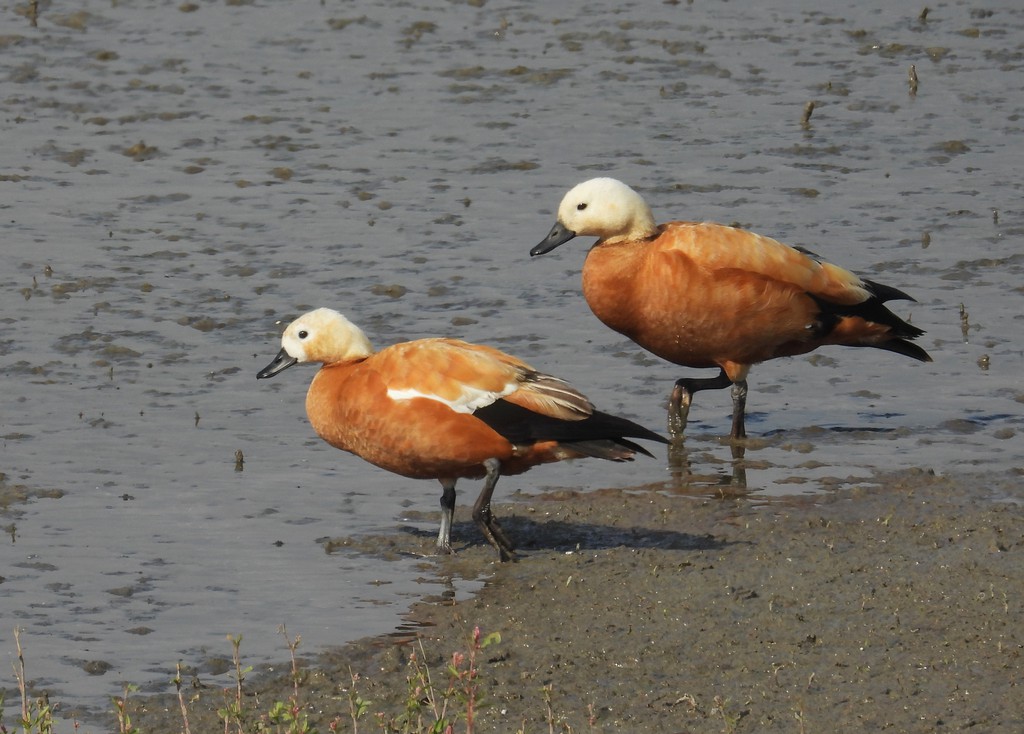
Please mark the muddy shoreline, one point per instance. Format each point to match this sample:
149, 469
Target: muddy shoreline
895, 607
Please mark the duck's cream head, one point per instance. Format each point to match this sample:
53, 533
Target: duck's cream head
323, 335
601, 207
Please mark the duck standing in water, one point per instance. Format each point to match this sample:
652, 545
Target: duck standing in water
706, 295
445, 409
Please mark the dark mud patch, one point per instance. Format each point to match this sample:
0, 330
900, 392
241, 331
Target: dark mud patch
896, 607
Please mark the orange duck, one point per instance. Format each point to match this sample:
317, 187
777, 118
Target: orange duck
708, 295
445, 409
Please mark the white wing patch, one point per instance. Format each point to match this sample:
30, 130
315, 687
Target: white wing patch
470, 400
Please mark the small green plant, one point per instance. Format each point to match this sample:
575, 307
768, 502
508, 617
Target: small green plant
463, 673
234, 711
124, 720
357, 705
290, 717
293, 645
36, 713
419, 699
427, 708
287, 718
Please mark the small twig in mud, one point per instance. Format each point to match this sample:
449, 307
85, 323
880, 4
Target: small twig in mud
181, 699
805, 120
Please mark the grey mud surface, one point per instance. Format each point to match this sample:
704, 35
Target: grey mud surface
891, 608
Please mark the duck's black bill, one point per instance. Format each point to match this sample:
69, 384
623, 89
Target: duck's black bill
558, 235
281, 362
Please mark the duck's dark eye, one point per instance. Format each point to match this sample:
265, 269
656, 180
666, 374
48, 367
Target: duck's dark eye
581, 206
303, 334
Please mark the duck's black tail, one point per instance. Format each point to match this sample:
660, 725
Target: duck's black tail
875, 310
600, 435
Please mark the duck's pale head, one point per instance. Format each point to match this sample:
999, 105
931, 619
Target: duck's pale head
601, 207
323, 335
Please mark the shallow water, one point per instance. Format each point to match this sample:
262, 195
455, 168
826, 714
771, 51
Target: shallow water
177, 178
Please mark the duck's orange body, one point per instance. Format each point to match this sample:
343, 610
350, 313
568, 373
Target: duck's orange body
445, 409
350, 405
708, 295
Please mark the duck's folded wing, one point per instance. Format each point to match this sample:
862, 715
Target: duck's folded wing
467, 377
736, 252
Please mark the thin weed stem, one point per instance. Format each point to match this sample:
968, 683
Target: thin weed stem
181, 699
357, 706
233, 711
36, 715
293, 645
124, 720
19, 675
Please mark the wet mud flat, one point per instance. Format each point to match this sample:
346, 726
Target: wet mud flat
891, 607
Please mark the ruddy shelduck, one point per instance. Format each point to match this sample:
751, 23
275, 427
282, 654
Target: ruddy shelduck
706, 295
446, 409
